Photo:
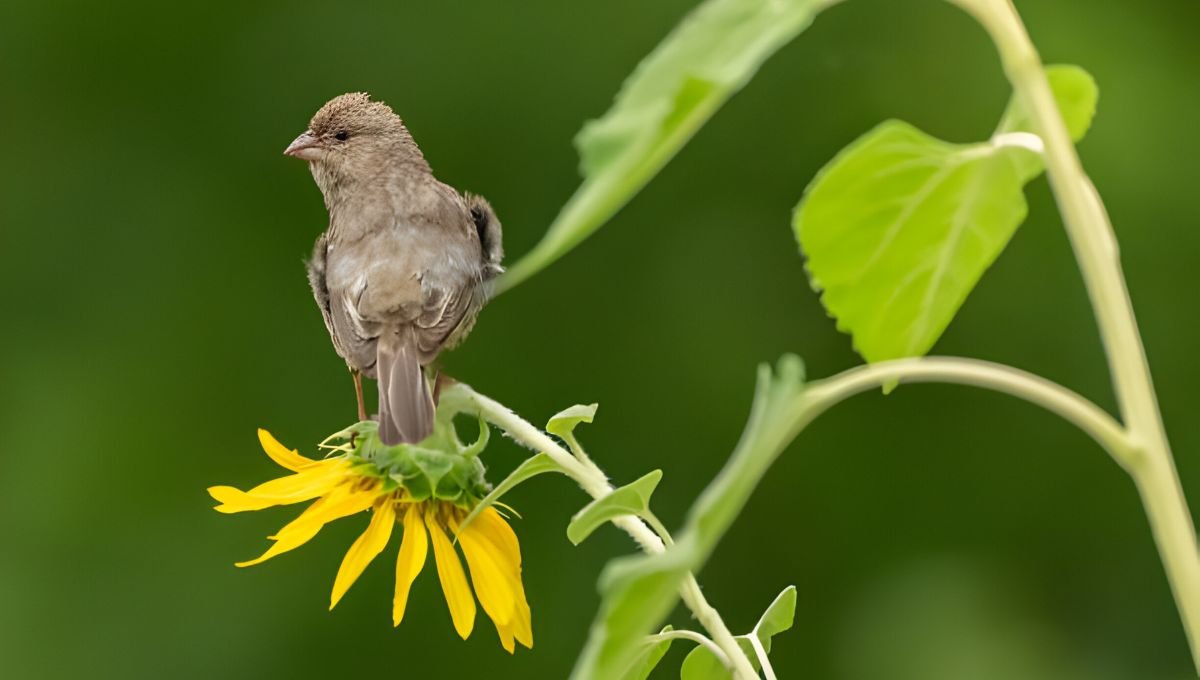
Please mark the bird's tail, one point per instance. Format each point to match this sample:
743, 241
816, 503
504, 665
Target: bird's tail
405, 404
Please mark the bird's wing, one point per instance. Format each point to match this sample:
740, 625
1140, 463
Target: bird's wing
320, 289
446, 317
489, 232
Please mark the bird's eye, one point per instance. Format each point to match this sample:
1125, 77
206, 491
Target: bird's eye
342, 135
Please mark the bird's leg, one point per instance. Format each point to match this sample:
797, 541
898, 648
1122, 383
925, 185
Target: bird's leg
440, 382
358, 394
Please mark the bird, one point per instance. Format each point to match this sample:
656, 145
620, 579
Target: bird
406, 262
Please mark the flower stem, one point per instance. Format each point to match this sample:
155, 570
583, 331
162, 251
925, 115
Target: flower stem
593, 481
818, 397
1095, 246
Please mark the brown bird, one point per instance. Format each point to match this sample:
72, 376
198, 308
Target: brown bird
403, 268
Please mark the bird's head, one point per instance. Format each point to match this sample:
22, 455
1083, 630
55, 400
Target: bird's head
352, 138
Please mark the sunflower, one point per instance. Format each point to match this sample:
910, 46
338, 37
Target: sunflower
430, 492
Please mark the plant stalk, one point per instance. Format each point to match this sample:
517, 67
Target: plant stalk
1095, 246
1070, 406
593, 481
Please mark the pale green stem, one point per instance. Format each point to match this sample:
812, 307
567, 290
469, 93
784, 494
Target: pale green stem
659, 527
580, 454
710, 618
595, 484
1095, 245
692, 636
815, 399
821, 394
761, 653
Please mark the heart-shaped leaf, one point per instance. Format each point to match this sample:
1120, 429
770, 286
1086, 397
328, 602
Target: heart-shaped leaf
900, 226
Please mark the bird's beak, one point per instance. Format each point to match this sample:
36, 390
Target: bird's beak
305, 147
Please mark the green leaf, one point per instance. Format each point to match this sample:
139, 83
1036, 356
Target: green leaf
651, 652
531, 467
631, 499
1076, 94
780, 615
702, 664
900, 226
635, 590
709, 56
563, 423
639, 592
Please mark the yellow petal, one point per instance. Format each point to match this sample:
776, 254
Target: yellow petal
285, 457
491, 525
522, 623
230, 499
365, 548
305, 485
341, 501
410, 561
506, 638
519, 627
301, 530
491, 573
454, 581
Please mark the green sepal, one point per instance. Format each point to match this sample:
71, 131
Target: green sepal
464, 482
631, 499
439, 467
480, 444
417, 486
433, 464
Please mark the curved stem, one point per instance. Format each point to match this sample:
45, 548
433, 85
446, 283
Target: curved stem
592, 480
659, 527
1037, 390
1095, 247
692, 636
819, 396
710, 618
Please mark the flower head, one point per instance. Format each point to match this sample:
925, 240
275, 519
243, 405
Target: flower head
429, 492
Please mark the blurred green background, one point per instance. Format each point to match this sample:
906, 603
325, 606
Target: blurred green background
156, 313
